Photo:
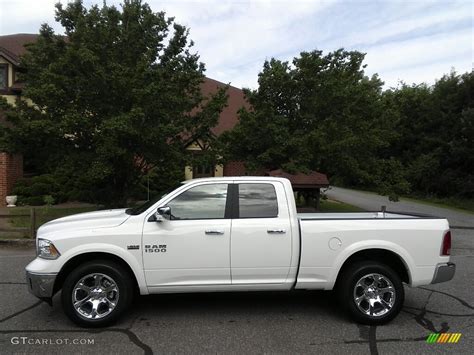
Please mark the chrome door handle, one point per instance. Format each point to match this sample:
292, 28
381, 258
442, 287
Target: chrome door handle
214, 232
276, 231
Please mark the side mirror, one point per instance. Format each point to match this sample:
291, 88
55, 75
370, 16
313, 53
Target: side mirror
163, 213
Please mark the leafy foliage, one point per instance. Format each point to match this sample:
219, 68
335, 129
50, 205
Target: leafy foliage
115, 97
39, 190
323, 113
435, 139
320, 113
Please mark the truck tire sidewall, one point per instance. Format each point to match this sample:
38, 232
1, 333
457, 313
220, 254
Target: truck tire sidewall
113, 270
354, 273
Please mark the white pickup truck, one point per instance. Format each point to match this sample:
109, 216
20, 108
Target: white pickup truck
236, 234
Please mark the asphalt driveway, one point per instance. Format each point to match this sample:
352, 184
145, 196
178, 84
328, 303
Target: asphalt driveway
295, 322
373, 202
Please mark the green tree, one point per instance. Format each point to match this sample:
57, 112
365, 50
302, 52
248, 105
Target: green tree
117, 95
435, 140
320, 113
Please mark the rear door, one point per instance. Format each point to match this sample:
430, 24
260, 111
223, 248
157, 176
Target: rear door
261, 243
193, 247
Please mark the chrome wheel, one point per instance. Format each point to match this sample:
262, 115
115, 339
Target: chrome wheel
95, 296
374, 295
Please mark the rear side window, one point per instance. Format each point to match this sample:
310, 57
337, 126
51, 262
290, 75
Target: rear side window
257, 201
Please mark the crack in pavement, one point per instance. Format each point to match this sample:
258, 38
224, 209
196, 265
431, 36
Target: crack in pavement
437, 313
427, 323
370, 334
460, 300
20, 312
367, 333
127, 331
373, 340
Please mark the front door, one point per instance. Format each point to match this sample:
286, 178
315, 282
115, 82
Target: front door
261, 243
192, 248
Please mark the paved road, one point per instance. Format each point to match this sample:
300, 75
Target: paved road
285, 323
373, 202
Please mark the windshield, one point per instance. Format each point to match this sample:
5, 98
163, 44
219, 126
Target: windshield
142, 208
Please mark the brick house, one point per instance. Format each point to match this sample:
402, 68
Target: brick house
11, 165
11, 47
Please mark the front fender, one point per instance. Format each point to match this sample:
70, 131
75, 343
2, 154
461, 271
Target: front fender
40, 265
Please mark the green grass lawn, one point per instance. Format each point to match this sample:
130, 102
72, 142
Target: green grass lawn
453, 203
336, 206
44, 214
450, 203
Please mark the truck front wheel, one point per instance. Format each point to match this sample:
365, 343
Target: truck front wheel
96, 293
371, 292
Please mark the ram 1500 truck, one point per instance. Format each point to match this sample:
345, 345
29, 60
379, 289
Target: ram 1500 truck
236, 234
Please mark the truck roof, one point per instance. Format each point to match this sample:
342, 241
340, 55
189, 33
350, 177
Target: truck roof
240, 178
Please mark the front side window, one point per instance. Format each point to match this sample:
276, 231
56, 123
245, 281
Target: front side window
200, 202
3, 76
257, 201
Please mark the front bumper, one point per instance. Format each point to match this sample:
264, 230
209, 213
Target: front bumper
444, 272
40, 285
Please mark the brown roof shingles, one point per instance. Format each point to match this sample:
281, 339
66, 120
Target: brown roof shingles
14, 45
236, 100
313, 179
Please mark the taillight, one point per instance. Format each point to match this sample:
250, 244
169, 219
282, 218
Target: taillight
446, 247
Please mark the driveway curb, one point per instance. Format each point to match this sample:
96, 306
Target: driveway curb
18, 242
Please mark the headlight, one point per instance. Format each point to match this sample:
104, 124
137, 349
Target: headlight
47, 250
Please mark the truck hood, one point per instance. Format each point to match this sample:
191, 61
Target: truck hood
88, 220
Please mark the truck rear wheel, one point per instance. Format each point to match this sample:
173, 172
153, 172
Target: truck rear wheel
96, 293
371, 292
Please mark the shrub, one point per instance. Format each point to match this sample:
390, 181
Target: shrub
38, 190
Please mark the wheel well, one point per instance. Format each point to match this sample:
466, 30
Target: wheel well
86, 257
383, 256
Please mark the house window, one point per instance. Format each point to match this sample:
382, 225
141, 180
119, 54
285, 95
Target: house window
203, 171
3, 76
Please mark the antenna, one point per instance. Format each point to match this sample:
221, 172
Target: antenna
148, 187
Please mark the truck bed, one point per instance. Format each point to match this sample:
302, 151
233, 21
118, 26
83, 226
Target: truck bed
326, 244
362, 215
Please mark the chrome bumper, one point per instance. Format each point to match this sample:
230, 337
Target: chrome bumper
444, 272
40, 285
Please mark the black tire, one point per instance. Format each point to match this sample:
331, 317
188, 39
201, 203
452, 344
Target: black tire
366, 272
104, 272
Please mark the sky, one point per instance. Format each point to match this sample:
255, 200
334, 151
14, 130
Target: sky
411, 41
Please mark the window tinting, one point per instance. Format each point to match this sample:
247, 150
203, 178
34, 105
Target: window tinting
200, 202
3, 76
257, 201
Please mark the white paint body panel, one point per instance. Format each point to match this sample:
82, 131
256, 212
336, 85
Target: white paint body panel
257, 255
245, 256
